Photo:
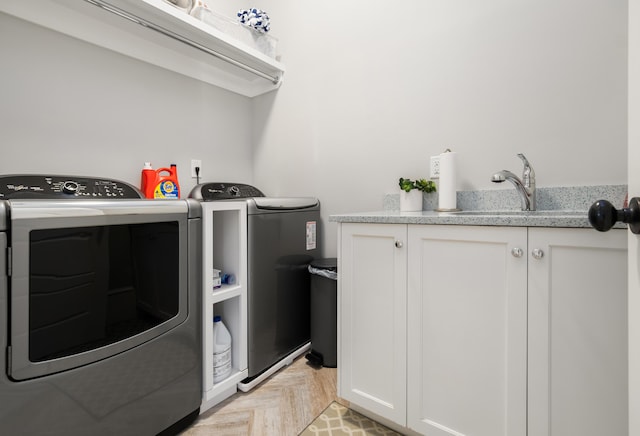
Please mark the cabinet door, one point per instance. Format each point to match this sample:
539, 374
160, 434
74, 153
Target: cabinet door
467, 320
578, 333
372, 318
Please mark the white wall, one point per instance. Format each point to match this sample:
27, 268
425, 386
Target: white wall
67, 107
371, 91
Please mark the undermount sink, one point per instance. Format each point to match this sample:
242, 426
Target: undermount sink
532, 213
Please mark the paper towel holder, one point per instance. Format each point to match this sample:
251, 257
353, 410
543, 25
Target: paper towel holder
447, 209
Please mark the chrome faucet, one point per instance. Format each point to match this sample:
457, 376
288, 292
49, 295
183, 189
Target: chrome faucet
526, 187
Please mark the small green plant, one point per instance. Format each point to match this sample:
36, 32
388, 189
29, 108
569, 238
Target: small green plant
421, 184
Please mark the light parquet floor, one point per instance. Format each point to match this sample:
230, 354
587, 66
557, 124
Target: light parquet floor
283, 405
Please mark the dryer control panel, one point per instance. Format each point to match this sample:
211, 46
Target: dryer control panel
62, 187
224, 191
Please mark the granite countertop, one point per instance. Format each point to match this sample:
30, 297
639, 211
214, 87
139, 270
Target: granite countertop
546, 218
557, 207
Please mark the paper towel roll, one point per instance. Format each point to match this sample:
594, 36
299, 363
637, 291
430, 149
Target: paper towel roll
448, 174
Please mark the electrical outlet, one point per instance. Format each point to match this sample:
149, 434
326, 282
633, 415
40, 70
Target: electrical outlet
435, 167
196, 163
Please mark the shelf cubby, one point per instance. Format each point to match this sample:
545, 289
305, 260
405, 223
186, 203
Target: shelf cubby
224, 232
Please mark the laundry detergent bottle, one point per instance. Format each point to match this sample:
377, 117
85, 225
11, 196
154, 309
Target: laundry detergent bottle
161, 183
148, 178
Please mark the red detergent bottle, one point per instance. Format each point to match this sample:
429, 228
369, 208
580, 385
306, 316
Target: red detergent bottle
161, 183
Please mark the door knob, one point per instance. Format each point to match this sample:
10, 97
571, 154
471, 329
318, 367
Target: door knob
399, 244
517, 252
602, 215
537, 253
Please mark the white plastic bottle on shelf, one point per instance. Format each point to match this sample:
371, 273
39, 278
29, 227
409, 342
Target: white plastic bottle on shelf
221, 350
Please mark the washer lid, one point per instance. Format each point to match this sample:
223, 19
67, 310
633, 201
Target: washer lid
285, 203
215, 191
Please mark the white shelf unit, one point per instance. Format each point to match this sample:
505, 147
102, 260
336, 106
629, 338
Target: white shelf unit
169, 38
224, 235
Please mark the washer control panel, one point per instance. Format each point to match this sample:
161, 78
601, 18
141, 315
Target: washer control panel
62, 187
224, 191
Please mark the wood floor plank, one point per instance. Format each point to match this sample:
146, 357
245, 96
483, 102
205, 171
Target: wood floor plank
283, 405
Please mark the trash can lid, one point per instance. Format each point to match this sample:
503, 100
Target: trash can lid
330, 263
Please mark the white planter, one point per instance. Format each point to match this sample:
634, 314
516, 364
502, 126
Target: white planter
411, 201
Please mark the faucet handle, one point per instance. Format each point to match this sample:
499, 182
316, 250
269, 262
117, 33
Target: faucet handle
524, 159
526, 163
528, 175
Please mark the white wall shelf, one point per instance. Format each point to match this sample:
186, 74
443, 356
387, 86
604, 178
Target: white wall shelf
180, 42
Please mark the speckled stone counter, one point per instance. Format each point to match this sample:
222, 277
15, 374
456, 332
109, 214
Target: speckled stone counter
478, 218
557, 207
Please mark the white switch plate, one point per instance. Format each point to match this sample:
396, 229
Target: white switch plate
196, 163
434, 171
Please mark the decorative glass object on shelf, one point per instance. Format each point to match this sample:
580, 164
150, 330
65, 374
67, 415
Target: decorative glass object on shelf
184, 5
261, 41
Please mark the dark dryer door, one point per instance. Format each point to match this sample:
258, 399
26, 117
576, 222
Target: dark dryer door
90, 279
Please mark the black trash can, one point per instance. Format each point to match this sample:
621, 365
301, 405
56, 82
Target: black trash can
324, 322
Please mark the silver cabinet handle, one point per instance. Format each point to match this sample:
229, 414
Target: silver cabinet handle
399, 244
537, 253
517, 252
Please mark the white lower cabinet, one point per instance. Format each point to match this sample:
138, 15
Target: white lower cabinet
372, 318
578, 333
484, 331
467, 331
